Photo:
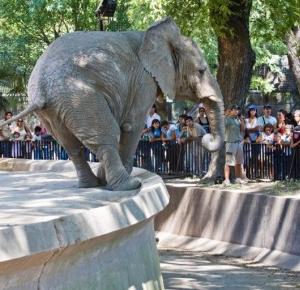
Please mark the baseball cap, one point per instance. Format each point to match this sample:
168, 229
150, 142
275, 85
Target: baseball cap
234, 107
252, 107
267, 106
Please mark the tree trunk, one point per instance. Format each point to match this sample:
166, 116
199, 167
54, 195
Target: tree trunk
236, 57
236, 60
293, 45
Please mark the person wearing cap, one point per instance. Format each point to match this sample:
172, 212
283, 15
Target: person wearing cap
266, 118
234, 129
252, 127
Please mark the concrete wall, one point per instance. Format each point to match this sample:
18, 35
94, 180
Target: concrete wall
54, 235
249, 219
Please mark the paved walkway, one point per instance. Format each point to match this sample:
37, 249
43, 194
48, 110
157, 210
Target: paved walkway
183, 270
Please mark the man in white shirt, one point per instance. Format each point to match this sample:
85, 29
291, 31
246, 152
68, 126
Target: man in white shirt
168, 130
151, 116
266, 118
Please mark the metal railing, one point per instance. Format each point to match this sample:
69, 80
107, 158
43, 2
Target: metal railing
261, 161
275, 162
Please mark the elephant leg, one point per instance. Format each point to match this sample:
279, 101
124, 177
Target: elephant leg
127, 147
101, 174
75, 151
99, 131
116, 176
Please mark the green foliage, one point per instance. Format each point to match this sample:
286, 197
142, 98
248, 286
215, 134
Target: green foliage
121, 21
192, 17
261, 84
28, 26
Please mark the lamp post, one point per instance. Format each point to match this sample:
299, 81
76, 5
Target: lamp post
105, 10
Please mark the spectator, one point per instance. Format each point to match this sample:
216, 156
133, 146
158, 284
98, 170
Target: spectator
290, 120
266, 118
194, 130
202, 119
168, 131
281, 121
180, 124
37, 136
297, 117
285, 138
295, 145
252, 127
17, 150
193, 156
5, 135
7, 129
295, 140
155, 136
36, 141
172, 149
152, 116
227, 111
155, 131
234, 146
27, 146
267, 136
22, 128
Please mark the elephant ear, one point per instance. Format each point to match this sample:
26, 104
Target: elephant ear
157, 54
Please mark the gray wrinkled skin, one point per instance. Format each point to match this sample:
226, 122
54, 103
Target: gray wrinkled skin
94, 89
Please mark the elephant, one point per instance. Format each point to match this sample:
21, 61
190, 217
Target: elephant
94, 89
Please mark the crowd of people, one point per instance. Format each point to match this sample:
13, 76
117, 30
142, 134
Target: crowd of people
185, 130
274, 132
161, 135
18, 139
172, 143
250, 128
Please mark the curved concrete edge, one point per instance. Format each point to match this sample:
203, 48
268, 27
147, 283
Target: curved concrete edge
108, 247
259, 256
19, 241
16, 164
270, 224
126, 259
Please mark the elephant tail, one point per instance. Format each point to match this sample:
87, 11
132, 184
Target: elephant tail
22, 114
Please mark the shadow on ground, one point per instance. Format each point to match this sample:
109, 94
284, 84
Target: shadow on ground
184, 270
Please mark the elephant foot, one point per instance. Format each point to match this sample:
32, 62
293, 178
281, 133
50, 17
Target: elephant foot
130, 184
91, 182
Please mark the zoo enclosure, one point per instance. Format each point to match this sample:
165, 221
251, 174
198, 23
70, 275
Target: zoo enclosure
261, 161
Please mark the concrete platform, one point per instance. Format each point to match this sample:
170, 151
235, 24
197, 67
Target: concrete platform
54, 235
265, 229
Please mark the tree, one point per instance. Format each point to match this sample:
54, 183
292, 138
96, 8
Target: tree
230, 20
276, 24
293, 45
28, 27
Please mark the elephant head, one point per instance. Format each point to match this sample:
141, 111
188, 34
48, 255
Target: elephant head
180, 70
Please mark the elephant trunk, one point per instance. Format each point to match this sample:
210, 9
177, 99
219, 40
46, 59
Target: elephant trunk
214, 108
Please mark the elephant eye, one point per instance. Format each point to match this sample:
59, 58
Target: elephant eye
202, 70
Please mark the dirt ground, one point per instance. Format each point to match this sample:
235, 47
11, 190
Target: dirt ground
277, 188
185, 270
